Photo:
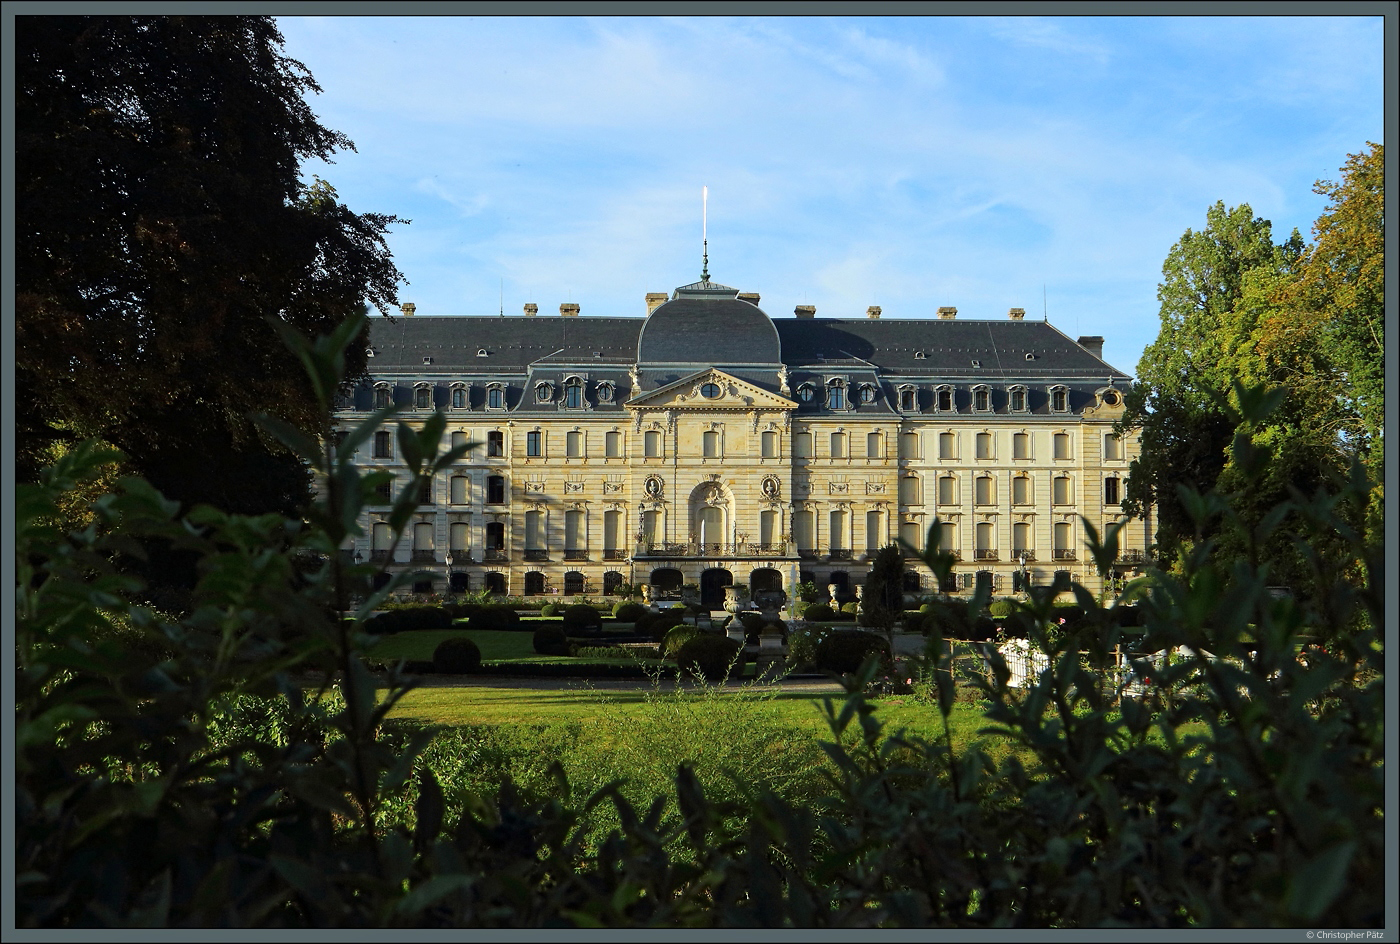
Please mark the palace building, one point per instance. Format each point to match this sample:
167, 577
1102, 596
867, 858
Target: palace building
710, 444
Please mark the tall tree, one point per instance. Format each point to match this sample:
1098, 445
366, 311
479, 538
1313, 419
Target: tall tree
161, 219
1174, 402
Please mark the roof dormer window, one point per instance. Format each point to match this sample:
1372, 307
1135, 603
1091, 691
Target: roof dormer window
1059, 399
422, 397
943, 400
482, 353
981, 399
573, 393
867, 393
806, 393
836, 394
496, 397
1018, 399
544, 392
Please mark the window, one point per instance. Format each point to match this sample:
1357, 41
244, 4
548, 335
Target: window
710, 443
574, 583
1110, 490
605, 394
496, 535
770, 444
806, 393
909, 400
909, 534
383, 494
544, 392
573, 444
1112, 446
459, 397
1020, 446
459, 439
383, 444
1111, 398
767, 527
381, 397
573, 393
534, 531
802, 445
1061, 493
1018, 399
1061, 445
874, 533
422, 398
802, 530
1064, 536
458, 492
984, 445
612, 531
1021, 490
909, 446
495, 397
873, 447
496, 443
382, 537
981, 399
1059, 400
985, 491
836, 395
945, 399
909, 490
651, 443
496, 490
651, 521
838, 445
986, 536
575, 531
945, 446
425, 492
839, 539
947, 490
459, 536
612, 582
709, 391
534, 583
422, 536
947, 536
1020, 539
534, 443
612, 444
867, 394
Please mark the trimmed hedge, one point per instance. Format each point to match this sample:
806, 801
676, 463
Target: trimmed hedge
551, 641
498, 619
710, 656
582, 618
550, 609
656, 625
845, 649
628, 612
410, 618
819, 613
456, 656
676, 637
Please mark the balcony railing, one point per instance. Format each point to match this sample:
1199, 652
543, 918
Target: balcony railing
495, 555
1018, 552
424, 557
714, 549
576, 554
808, 553
1063, 553
985, 554
839, 553
536, 554
614, 554
460, 557
1132, 556
378, 557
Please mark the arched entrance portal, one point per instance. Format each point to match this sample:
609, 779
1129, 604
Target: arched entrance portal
765, 578
712, 584
666, 581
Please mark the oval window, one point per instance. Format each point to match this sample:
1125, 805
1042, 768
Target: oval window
1110, 398
806, 394
867, 394
709, 390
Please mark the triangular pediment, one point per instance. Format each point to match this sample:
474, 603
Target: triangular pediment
689, 393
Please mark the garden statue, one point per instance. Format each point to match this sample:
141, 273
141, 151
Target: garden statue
831, 589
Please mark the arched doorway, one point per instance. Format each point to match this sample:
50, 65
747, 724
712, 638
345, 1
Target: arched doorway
573, 583
495, 582
534, 583
461, 581
712, 584
765, 578
666, 581
612, 580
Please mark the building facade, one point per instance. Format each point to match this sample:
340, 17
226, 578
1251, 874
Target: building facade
709, 444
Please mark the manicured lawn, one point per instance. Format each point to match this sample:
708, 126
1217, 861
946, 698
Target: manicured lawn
495, 646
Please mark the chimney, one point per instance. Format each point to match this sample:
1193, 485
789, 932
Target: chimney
408, 309
568, 310
873, 311
531, 310
1093, 344
805, 311
655, 300
947, 313
750, 297
1017, 314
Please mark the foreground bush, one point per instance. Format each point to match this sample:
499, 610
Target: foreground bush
710, 657
456, 656
676, 637
846, 649
496, 618
551, 641
582, 618
1245, 790
628, 612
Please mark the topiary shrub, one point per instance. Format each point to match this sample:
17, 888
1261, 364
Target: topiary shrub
497, 618
845, 649
753, 623
819, 613
710, 656
550, 609
582, 618
628, 612
676, 637
850, 609
551, 641
656, 625
1001, 609
455, 656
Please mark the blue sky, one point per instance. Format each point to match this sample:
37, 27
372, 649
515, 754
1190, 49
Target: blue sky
903, 162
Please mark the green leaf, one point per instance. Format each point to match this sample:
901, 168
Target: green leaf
1318, 883
306, 447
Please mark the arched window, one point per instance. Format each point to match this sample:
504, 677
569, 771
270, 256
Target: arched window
651, 442
459, 438
909, 445
1021, 540
710, 443
459, 490
836, 395
948, 537
1059, 400
534, 531
382, 397
1064, 540
575, 533
534, 583
909, 490
838, 445
573, 393
383, 444
459, 398
1062, 493
986, 540
612, 583
874, 532
947, 446
770, 444
1110, 490
908, 400
985, 491
1018, 399
495, 582
838, 536
1061, 441
459, 536
422, 397
1021, 490
573, 583
534, 443
612, 534
423, 536
981, 399
495, 444
803, 531
496, 535
573, 444
944, 399
495, 397
984, 445
1020, 445
495, 490
802, 446
947, 490
874, 448
767, 528
1112, 446
612, 444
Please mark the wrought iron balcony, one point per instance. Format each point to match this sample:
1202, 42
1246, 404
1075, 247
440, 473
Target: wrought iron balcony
807, 553
714, 549
378, 557
495, 555
1132, 555
985, 554
536, 554
1018, 552
424, 557
614, 554
1063, 554
839, 553
461, 557
576, 554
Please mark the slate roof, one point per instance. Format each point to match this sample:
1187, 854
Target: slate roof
511, 343
714, 330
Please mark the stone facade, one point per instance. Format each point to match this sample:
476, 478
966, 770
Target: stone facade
707, 444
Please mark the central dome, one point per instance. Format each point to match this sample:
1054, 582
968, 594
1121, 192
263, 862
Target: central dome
707, 323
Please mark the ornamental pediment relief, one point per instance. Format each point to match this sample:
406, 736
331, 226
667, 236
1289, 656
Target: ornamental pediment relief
711, 389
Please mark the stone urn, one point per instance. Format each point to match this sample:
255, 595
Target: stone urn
690, 596
736, 599
769, 602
